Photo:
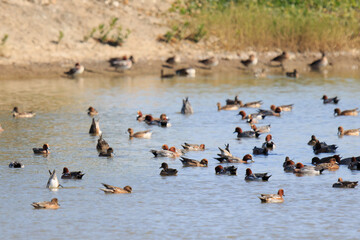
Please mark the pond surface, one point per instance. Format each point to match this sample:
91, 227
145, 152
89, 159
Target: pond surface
196, 204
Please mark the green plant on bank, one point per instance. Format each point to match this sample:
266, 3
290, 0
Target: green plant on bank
4, 39
186, 31
60, 37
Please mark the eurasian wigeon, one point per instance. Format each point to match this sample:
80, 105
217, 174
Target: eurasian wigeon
140, 117
166, 171
92, 111
289, 165
349, 132
112, 189
255, 104
260, 151
220, 170
95, 128
320, 63
251, 61
227, 107
77, 70
250, 176
173, 60
210, 62
43, 150
344, 184
142, 134
123, 63
102, 145
261, 129
322, 147
332, 165
246, 134
186, 107
71, 175
293, 74
16, 165
108, 153
53, 204
327, 100
193, 147
53, 181
162, 121
258, 116
275, 113
248, 158
233, 102
166, 152
306, 170
281, 58
273, 198
186, 72
350, 112
187, 162
347, 161
313, 140
283, 108
269, 144
316, 160
168, 75
354, 164
18, 114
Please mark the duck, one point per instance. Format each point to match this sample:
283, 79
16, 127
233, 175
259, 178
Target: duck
166, 171
53, 181
255, 104
344, 184
347, 161
293, 74
77, 70
193, 147
233, 102
261, 129
351, 112
177, 151
108, 153
53, 204
163, 75
248, 158
273, 198
16, 165
306, 170
251, 61
166, 152
143, 134
268, 144
162, 121
210, 62
112, 189
332, 165
43, 150
313, 140
187, 162
283, 108
246, 134
322, 147
251, 117
173, 60
354, 164
250, 176
186, 72
140, 117
102, 145
275, 113
320, 63
71, 175
123, 63
220, 170
281, 58
227, 107
92, 111
18, 114
95, 128
327, 100
317, 161
349, 132
260, 151
186, 107
288, 165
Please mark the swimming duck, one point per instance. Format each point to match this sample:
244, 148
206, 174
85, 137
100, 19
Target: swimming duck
142, 134
92, 111
289, 165
261, 129
283, 108
260, 151
210, 62
250, 176
327, 100
255, 104
354, 164
102, 145
140, 117
347, 161
251, 117
186, 107
317, 161
220, 170
112, 189
163, 75
246, 134
173, 60
177, 151
193, 147
166, 152
251, 61
281, 58
43, 150
268, 144
187, 162
320, 63
71, 175
233, 159
163, 121
349, 132
332, 165
233, 102
53, 181
351, 112
275, 113
95, 128
273, 198
53, 204
187, 72
313, 140
306, 170
166, 171
16, 165
322, 147
123, 63
108, 153
293, 74
77, 70
344, 184
18, 114
227, 107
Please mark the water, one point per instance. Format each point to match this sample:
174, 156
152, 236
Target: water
196, 204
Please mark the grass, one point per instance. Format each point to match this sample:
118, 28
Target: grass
296, 25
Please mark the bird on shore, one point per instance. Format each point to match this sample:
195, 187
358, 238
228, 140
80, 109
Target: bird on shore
77, 70
251, 61
293, 74
320, 63
112, 189
92, 111
273, 198
350, 112
186, 107
281, 58
344, 184
210, 62
95, 128
18, 114
166, 171
173, 60
123, 63
53, 204
66, 174
327, 100
186, 72
43, 150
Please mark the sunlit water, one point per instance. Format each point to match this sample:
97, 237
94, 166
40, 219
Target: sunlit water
196, 204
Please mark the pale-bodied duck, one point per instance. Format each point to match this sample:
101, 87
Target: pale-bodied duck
193, 147
247, 158
18, 114
350, 112
76, 70
320, 63
112, 189
141, 134
251, 61
283, 108
302, 169
210, 62
349, 132
255, 104
53, 204
332, 165
317, 161
53, 181
187, 162
354, 164
123, 63
281, 58
250, 176
186, 72
66, 174
322, 147
227, 107
273, 198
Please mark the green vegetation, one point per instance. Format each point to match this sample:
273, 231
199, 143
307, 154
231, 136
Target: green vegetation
287, 24
186, 31
60, 37
4, 39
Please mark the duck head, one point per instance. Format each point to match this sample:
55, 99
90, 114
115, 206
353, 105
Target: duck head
202, 146
165, 147
248, 172
243, 114
54, 201
128, 189
340, 130
268, 138
204, 161
273, 107
247, 157
219, 169
281, 192
337, 111
238, 130
164, 166
299, 165
172, 149
66, 170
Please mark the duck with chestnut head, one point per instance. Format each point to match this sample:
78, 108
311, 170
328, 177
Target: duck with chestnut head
273, 198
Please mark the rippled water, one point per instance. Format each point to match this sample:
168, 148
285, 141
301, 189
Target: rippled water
196, 203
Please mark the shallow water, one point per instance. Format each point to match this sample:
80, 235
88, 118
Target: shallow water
196, 203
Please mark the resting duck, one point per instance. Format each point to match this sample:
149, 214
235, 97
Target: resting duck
71, 175
112, 189
53, 204
327, 100
322, 147
306, 170
210, 62
140, 117
268, 144
289, 165
344, 184
354, 164
313, 140
250, 176
248, 158
275, 113
186, 72
53, 181
227, 107
283, 108
193, 147
162, 121
186, 107
255, 104
16, 165
43, 150
102, 145
320, 63
281, 58
317, 161
187, 162
123, 63
349, 132
142, 134
246, 134
261, 129
293, 74
77, 70
166, 171
332, 165
92, 111
233, 102
351, 112
18, 114
220, 170
273, 198
95, 128
109, 153
347, 161
166, 152
251, 61
257, 116
173, 60
260, 151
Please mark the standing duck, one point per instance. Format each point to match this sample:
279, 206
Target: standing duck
320, 63
112, 189
18, 114
210, 62
327, 100
251, 61
71, 175
166, 171
344, 184
273, 198
43, 150
186, 107
95, 128
53, 204
123, 63
77, 70
351, 112
281, 58
250, 176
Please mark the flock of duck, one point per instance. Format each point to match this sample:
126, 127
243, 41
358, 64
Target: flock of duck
224, 156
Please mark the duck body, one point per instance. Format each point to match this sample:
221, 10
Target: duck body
320, 63
193, 147
102, 145
260, 151
77, 70
255, 104
350, 112
112, 189
142, 134
71, 175
210, 62
53, 204
123, 63
186, 72
53, 181
281, 58
16, 165
306, 170
251, 61
250, 176
327, 100
186, 107
349, 132
232, 159
166, 171
344, 184
246, 134
18, 114
43, 150
220, 170
261, 129
108, 153
273, 198
94, 128
227, 107
187, 162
